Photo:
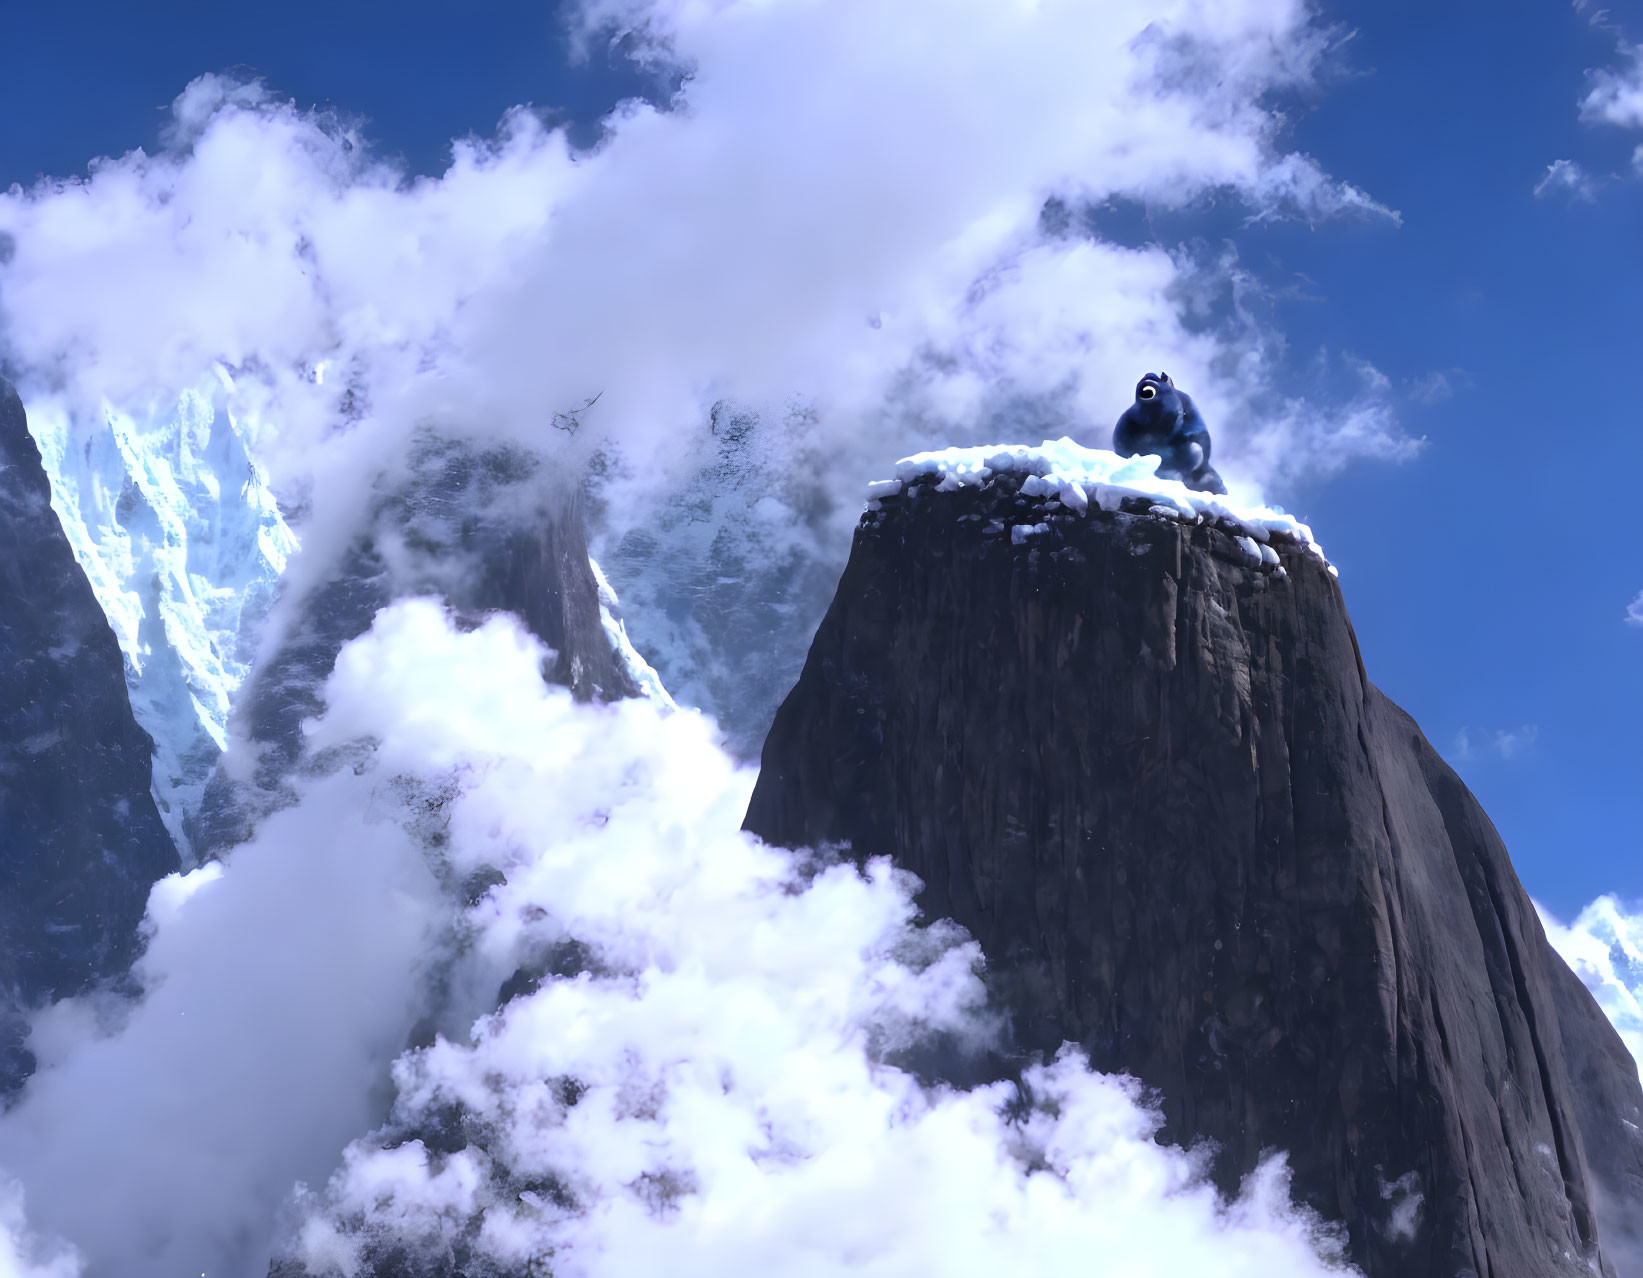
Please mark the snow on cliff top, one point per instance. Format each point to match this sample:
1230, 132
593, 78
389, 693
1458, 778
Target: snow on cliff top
1064, 471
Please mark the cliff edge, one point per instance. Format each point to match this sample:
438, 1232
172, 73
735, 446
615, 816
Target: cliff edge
1123, 734
81, 840
463, 506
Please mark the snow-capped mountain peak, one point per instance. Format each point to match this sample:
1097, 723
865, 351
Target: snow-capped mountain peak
184, 544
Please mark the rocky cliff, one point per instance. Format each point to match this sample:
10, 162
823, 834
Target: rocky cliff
1133, 750
81, 841
472, 526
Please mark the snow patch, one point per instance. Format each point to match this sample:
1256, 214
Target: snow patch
639, 670
1064, 471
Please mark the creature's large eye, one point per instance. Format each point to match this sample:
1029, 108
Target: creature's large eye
1146, 392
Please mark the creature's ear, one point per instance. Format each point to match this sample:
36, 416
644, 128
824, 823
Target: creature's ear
1164, 377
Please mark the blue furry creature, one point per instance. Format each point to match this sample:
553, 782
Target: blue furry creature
1165, 423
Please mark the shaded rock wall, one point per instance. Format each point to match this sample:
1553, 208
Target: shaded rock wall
461, 530
81, 841
1150, 775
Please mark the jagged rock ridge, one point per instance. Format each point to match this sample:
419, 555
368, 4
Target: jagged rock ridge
472, 526
82, 839
1147, 770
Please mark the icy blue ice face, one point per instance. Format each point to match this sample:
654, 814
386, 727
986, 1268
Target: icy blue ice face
184, 545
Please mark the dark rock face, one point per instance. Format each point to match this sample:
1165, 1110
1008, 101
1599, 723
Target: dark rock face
543, 575
81, 841
1604, 1078
463, 508
1151, 777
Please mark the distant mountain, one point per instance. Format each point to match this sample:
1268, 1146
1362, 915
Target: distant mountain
1133, 749
482, 529
81, 841
727, 573
184, 545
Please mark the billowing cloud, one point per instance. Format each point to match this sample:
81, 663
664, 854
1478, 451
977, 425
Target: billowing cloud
1614, 97
699, 1070
845, 206
840, 225
161, 1136
714, 1092
23, 1253
1615, 94
839, 229
1634, 611
1604, 946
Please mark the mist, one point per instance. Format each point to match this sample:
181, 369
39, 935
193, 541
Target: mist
850, 232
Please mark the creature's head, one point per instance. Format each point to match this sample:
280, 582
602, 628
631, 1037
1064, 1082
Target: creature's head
1156, 394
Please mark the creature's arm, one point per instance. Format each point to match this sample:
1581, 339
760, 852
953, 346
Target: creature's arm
1123, 436
1191, 448
1190, 429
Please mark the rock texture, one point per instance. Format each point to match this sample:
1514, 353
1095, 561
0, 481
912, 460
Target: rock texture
81, 841
465, 527
1149, 773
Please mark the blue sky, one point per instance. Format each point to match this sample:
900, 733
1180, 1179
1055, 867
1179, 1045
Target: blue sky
1488, 578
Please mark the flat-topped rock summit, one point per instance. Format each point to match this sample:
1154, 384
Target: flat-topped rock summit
1122, 733
1030, 490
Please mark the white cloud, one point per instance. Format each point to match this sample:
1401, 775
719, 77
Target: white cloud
1502, 743
1614, 96
161, 1137
1604, 946
1567, 178
1595, 17
712, 1096
838, 228
1437, 386
715, 1094
23, 1254
1616, 93
1634, 611
842, 213
829, 166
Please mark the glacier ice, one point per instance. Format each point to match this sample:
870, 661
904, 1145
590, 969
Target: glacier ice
184, 545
